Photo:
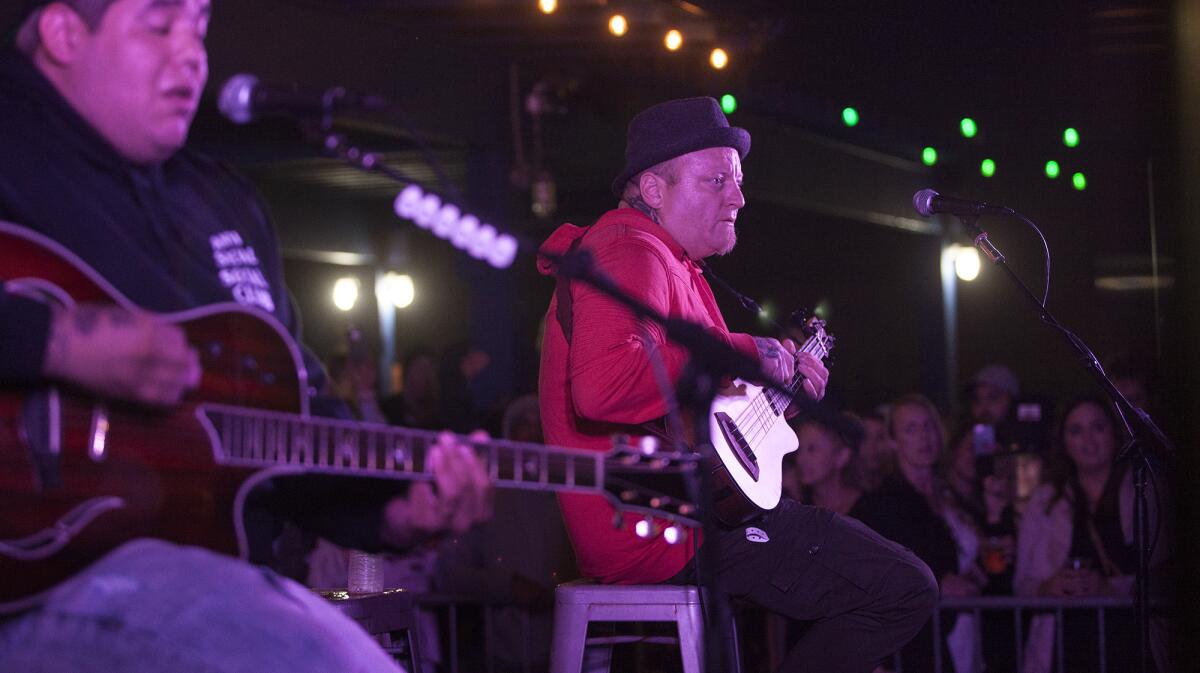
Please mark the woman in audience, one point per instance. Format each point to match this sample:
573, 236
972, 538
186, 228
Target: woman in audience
877, 453
915, 507
1076, 539
825, 462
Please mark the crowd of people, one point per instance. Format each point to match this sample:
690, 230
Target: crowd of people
1013, 502
1011, 498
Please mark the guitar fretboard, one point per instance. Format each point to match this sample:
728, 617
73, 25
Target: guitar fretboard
253, 438
818, 345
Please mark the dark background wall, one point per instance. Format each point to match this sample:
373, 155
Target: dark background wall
829, 219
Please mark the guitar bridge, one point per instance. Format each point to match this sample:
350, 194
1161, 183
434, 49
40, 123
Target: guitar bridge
737, 443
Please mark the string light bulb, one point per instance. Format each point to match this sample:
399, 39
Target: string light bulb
718, 58
673, 40
617, 25
547, 6
345, 293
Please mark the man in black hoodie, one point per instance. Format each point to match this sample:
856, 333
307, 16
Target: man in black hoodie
95, 106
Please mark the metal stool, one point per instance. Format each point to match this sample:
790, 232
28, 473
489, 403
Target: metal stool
389, 616
578, 604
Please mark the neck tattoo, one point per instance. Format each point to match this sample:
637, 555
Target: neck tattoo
637, 202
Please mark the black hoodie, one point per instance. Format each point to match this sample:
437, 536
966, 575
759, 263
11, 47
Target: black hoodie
170, 237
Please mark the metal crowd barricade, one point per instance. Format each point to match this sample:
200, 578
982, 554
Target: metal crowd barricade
1020, 606
452, 607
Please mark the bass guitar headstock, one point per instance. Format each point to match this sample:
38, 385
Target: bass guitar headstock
644, 478
815, 339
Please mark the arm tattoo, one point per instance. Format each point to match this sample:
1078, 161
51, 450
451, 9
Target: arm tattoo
767, 348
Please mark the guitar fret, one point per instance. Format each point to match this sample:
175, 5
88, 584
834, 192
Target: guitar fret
256, 433
372, 451
271, 442
389, 452
323, 448
303, 438
227, 444
347, 449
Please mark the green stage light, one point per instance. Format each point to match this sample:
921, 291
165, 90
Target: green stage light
1071, 138
1079, 180
929, 156
968, 126
728, 103
1052, 169
850, 116
987, 168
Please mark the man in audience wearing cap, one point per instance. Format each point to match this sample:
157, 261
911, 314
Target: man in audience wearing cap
96, 101
680, 194
994, 391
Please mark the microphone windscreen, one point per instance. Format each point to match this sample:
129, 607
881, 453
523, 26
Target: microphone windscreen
923, 202
236, 101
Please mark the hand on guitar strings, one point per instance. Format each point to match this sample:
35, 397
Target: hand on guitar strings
459, 496
780, 361
123, 354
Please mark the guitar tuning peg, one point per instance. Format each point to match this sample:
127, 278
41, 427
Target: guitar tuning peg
674, 534
645, 529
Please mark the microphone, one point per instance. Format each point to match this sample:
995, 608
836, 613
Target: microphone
927, 202
243, 99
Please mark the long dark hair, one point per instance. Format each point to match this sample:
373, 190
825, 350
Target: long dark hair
1063, 474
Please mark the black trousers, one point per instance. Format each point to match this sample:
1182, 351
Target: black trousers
866, 596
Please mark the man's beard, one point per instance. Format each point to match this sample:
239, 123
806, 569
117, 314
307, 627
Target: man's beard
731, 243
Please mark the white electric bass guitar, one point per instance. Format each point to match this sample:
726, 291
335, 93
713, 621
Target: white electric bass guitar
751, 436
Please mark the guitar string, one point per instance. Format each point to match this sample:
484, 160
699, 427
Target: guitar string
761, 415
765, 418
809, 346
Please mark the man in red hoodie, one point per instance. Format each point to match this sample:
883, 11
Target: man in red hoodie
680, 193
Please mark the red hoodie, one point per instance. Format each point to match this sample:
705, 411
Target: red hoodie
604, 382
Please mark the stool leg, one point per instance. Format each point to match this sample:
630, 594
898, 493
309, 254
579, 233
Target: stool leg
597, 659
690, 621
570, 638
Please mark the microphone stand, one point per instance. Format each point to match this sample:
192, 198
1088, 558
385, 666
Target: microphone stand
1142, 431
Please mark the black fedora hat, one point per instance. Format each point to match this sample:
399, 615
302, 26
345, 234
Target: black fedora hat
674, 128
